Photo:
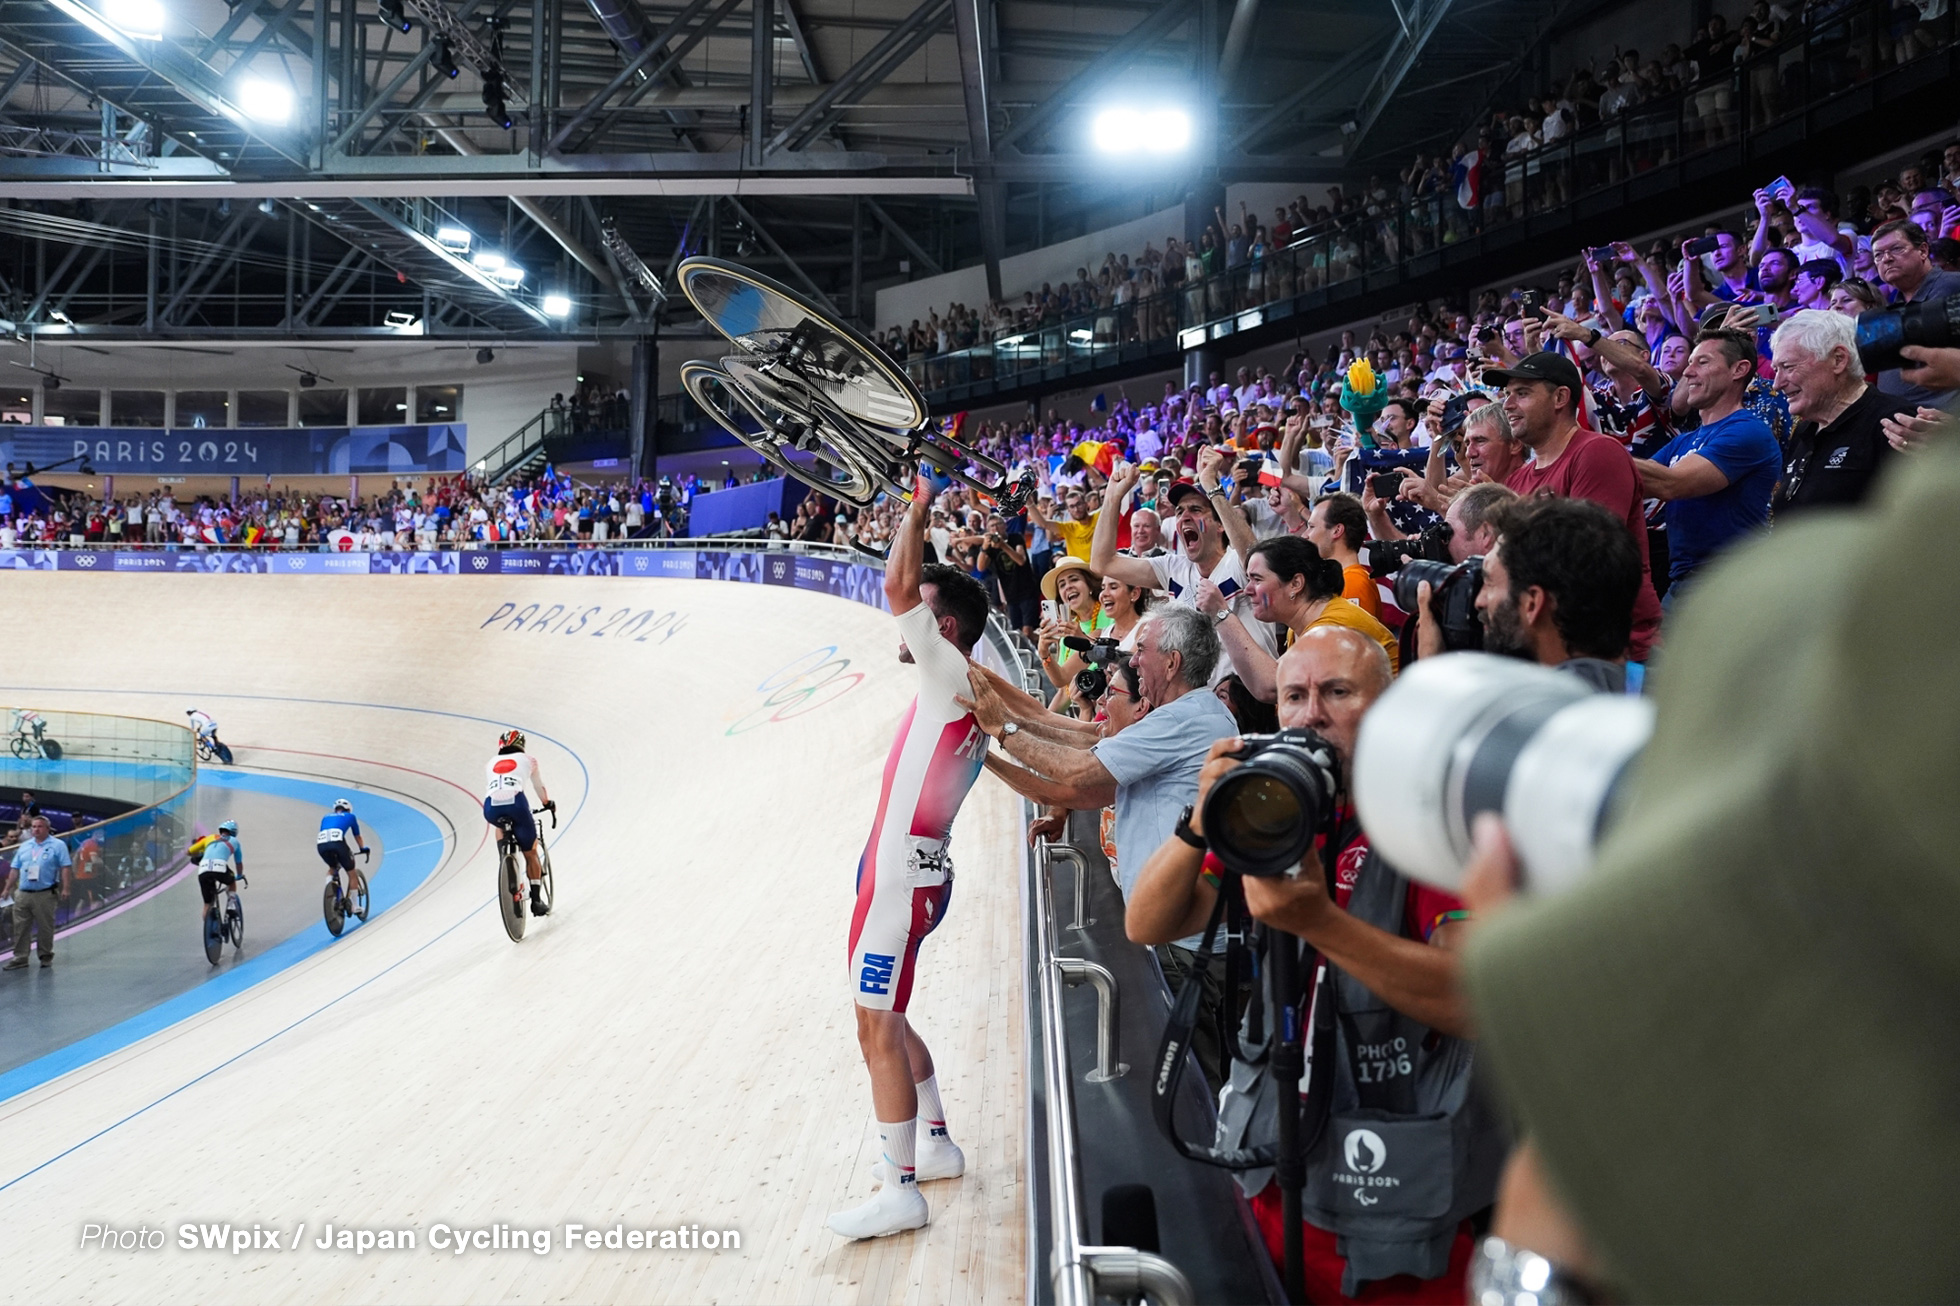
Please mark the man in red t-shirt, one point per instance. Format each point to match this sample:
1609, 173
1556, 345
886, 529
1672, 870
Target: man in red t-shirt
1541, 399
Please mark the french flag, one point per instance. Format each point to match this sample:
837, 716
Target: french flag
1468, 173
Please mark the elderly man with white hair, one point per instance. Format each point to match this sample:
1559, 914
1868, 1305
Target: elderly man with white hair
1839, 444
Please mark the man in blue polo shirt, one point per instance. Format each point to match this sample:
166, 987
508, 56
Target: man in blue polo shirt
39, 875
1716, 480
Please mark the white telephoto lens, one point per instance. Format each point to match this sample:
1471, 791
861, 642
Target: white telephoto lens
1564, 784
1437, 749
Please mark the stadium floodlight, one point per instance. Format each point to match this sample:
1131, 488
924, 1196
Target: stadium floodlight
1126, 130
487, 260
509, 276
139, 18
454, 239
266, 102
556, 305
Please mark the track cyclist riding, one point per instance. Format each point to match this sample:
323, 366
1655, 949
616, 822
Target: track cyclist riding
221, 859
336, 829
508, 799
206, 730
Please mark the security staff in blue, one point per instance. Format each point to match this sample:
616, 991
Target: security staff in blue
40, 874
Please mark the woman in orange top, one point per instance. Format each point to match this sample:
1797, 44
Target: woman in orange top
1290, 583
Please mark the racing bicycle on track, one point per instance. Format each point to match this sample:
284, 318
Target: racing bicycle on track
224, 920
338, 903
513, 881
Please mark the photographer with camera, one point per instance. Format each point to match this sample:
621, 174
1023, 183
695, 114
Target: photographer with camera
1559, 587
1293, 586
1397, 1152
1712, 1115
1541, 400
1905, 262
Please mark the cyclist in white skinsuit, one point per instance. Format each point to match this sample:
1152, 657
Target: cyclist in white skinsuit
508, 798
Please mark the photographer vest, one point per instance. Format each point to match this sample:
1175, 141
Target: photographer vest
1402, 1150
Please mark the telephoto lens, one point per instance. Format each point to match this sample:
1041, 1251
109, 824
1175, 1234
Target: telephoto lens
1261, 817
1883, 332
1466, 733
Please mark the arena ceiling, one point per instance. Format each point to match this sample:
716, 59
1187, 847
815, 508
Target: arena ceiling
837, 144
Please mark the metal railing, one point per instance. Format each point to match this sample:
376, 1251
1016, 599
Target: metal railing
1079, 1272
1833, 49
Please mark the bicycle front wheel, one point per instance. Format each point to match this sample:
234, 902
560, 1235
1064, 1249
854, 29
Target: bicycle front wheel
24, 747
235, 924
510, 892
544, 858
357, 894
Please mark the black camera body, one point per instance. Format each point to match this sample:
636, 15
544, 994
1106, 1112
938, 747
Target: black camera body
1386, 557
1883, 332
1093, 680
1261, 818
1453, 591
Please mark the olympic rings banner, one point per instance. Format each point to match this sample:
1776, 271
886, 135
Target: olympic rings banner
845, 580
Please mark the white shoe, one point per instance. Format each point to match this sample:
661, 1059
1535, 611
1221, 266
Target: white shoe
896, 1208
937, 1160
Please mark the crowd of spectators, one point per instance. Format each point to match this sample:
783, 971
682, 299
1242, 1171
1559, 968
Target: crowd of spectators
1505, 166
1579, 454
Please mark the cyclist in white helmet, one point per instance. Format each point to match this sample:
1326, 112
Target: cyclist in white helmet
336, 828
508, 799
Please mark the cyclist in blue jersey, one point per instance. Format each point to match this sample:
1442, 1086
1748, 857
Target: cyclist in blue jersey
336, 828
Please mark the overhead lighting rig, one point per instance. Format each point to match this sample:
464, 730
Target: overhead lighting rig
456, 46
630, 260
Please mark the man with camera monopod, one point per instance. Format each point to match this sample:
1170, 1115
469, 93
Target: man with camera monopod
1383, 1160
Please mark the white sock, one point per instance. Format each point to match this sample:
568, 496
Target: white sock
899, 1142
932, 1116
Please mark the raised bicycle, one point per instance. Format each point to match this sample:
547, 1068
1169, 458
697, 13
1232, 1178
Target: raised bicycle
224, 920
803, 381
512, 879
339, 903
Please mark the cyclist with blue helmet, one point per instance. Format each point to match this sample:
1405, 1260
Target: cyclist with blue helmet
221, 858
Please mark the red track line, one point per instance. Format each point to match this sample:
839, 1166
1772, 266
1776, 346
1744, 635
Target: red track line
368, 761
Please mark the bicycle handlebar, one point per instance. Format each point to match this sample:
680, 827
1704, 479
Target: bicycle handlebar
552, 807
366, 853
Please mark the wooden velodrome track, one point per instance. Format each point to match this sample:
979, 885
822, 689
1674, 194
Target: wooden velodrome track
674, 1046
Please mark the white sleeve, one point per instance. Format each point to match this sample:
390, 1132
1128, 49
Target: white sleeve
942, 668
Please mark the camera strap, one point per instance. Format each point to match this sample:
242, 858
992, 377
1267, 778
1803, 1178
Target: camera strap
1175, 1048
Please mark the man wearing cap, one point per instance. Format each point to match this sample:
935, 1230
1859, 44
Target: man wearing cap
1199, 556
1541, 398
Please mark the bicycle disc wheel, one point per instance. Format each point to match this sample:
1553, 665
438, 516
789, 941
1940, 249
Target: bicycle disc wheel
765, 427
510, 894
214, 937
357, 895
330, 907
769, 319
